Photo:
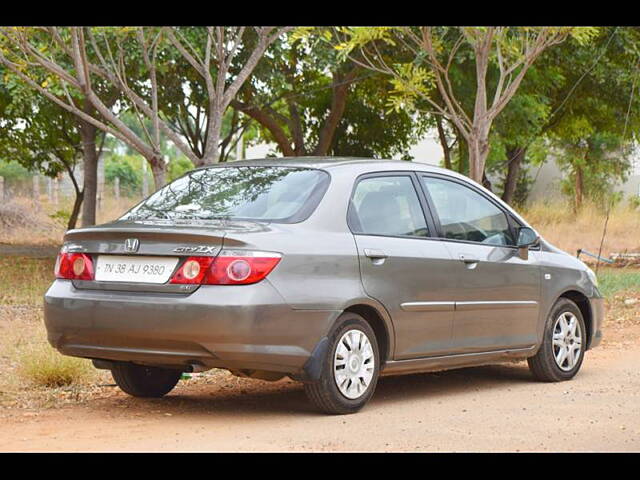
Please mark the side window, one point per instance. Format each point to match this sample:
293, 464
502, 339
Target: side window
467, 215
387, 206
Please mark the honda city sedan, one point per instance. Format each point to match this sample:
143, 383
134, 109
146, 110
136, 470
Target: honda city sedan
330, 271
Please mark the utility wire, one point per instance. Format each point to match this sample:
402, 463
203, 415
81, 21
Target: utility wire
624, 136
569, 94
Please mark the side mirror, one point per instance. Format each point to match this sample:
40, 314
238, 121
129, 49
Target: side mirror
526, 238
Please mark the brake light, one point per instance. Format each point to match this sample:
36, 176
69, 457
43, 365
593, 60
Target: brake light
230, 267
74, 266
193, 271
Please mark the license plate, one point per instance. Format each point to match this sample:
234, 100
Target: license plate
121, 268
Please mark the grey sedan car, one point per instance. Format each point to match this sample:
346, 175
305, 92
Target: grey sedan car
331, 271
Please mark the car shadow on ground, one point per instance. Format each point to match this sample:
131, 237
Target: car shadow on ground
252, 397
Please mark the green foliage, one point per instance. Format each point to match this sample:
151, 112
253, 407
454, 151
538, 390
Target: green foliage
601, 160
127, 168
357, 37
61, 216
39, 135
409, 85
634, 202
178, 167
13, 171
296, 88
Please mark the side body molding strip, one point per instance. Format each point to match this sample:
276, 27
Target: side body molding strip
449, 306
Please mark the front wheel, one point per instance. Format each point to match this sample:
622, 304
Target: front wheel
350, 368
142, 381
562, 351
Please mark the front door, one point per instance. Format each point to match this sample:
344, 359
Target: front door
498, 293
401, 265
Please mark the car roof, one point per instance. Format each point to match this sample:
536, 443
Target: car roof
335, 162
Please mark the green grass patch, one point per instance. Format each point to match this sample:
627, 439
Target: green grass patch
614, 280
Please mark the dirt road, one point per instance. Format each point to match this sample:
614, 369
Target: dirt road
496, 408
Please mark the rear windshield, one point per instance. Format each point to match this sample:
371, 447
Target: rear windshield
274, 194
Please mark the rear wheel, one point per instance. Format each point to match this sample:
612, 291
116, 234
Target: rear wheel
142, 381
562, 351
350, 368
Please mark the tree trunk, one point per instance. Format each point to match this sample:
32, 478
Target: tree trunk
444, 142
159, 172
212, 140
88, 134
578, 189
270, 123
463, 155
340, 90
478, 151
77, 203
515, 156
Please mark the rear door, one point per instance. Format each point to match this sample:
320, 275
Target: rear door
498, 293
401, 265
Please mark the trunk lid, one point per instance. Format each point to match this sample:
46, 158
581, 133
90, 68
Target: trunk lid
157, 238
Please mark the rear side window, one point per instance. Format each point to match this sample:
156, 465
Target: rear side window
467, 215
387, 206
269, 193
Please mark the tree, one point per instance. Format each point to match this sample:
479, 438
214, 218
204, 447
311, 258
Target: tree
15, 56
308, 102
214, 54
130, 61
43, 137
510, 50
580, 101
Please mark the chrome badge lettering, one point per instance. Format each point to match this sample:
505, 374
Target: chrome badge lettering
198, 249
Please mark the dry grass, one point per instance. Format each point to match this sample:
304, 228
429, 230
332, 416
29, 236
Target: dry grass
22, 221
45, 367
23, 281
111, 209
34, 375
559, 225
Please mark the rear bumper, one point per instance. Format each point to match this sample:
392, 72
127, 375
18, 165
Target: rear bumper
225, 326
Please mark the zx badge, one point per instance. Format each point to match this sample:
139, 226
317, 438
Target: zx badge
198, 249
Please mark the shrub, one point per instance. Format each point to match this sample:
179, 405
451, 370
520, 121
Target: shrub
45, 367
61, 216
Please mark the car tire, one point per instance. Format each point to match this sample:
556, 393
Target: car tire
554, 362
352, 347
143, 381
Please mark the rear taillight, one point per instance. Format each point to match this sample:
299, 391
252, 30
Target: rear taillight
74, 266
193, 270
230, 267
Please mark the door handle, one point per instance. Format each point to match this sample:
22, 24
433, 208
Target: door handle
377, 257
469, 261
375, 254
